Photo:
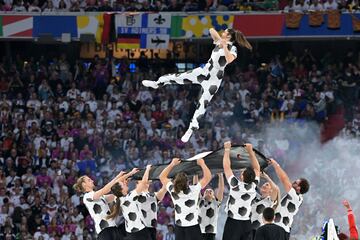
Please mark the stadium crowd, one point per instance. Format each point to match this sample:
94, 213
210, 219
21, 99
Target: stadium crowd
48, 6
59, 122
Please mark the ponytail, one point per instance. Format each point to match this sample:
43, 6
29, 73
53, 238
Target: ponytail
239, 38
78, 186
116, 189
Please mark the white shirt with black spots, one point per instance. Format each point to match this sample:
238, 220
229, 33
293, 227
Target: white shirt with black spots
257, 209
185, 204
241, 196
134, 220
148, 206
99, 211
217, 59
287, 209
208, 215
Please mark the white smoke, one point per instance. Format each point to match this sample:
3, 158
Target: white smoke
333, 170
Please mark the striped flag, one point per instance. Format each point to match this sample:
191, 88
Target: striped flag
129, 41
17, 26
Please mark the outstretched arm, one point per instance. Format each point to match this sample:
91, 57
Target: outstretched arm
206, 173
164, 174
275, 194
352, 225
161, 193
284, 179
226, 160
106, 189
220, 190
214, 34
254, 162
141, 186
127, 175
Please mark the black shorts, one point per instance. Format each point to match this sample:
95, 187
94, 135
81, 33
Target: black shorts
188, 233
237, 229
152, 232
110, 233
143, 234
122, 229
208, 236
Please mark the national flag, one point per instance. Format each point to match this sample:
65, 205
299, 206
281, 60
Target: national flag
129, 41
17, 26
91, 25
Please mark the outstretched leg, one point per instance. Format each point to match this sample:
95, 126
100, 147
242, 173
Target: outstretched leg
195, 76
208, 93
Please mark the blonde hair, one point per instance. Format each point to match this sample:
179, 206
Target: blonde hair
78, 186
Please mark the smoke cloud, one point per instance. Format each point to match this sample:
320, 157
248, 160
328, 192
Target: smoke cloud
333, 170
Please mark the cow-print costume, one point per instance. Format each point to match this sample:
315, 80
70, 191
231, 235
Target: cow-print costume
257, 209
99, 211
238, 207
208, 215
287, 209
209, 77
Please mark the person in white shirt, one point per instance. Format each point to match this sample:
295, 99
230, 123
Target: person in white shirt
330, 5
185, 199
97, 204
316, 6
41, 233
241, 196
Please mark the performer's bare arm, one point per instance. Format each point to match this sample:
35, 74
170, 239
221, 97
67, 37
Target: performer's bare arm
206, 173
254, 162
282, 175
164, 174
214, 34
220, 190
226, 160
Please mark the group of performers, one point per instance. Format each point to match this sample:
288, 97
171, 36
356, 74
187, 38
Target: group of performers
196, 214
252, 212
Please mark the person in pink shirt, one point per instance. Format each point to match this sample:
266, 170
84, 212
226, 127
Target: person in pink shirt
43, 178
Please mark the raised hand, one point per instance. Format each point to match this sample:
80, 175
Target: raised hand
200, 162
346, 204
227, 145
248, 147
175, 161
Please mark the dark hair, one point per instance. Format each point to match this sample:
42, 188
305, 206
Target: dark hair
268, 214
248, 175
180, 182
116, 189
304, 185
239, 38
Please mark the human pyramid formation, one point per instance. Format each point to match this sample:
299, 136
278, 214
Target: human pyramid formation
251, 214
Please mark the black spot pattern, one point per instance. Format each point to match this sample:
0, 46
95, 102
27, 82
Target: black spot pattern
153, 207
256, 224
201, 203
153, 222
171, 187
177, 208
213, 89
242, 211
220, 74
210, 213
134, 229
234, 182
141, 199
89, 200
286, 221
187, 81
189, 217
247, 186
126, 203
103, 224
206, 104
186, 191
277, 217
236, 189
245, 197
209, 229
190, 203
199, 220
231, 200
97, 208
175, 196
230, 214
216, 49
260, 208
178, 222
201, 78
222, 61
144, 213
132, 216
291, 207
211, 62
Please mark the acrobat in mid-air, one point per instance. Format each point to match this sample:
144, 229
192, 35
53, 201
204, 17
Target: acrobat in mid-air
210, 76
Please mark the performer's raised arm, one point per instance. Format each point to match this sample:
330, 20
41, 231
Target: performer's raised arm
206, 173
284, 178
254, 162
165, 173
226, 160
214, 34
220, 190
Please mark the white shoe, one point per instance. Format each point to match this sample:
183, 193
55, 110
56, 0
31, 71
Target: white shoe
148, 83
187, 136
